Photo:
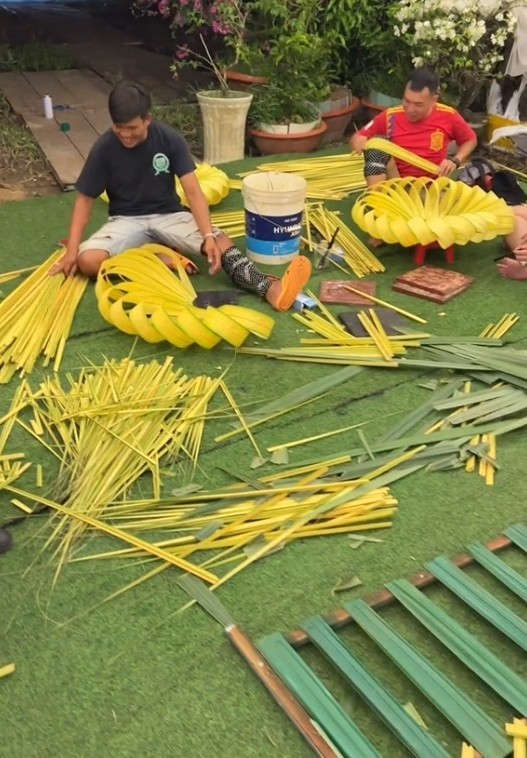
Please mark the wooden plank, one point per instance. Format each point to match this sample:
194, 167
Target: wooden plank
47, 83
81, 134
85, 96
99, 119
83, 89
20, 94
64, 159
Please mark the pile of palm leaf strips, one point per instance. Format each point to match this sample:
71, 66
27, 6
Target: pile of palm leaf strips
116, 422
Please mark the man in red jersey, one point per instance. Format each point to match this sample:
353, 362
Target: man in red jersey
422, 125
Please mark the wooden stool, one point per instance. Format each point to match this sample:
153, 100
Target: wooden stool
421, 251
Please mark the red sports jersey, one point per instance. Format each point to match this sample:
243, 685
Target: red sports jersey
428, 138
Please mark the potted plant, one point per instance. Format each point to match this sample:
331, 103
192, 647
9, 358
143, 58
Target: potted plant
289, 103
223, 109
283, 120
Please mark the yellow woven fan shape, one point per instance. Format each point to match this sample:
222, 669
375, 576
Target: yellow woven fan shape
137, 293
423, 210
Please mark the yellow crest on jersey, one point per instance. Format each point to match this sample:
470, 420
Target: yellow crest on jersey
437, 140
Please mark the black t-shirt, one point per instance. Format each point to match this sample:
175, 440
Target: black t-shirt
138, 180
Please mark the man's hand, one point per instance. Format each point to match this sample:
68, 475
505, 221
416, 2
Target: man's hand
358, 142
447, 167
67, 264
211, 250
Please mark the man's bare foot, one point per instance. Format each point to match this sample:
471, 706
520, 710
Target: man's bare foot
512, 269
374, 242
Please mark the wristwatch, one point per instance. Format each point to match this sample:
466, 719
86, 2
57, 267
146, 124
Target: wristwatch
455, 160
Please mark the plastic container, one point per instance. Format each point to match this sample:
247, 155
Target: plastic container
48, 106
274, 205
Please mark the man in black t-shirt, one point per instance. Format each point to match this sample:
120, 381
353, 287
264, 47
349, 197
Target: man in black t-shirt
136, 162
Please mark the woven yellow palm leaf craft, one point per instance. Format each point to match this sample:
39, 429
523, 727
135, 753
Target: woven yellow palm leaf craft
139, 295
422, 211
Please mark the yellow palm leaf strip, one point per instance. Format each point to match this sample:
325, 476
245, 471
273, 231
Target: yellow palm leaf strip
112, 531
149, 575
30, 338
7, 421
105, 455
378, 143
359, 258
491, 469
240, 417
308, 227
470, 464
270, 417
327, 313
59, 313
28, 286
503, 326
390, 348
306, 440
378, 335
31, 317
232, 222
7, 670
284, 534
318, 324
494, 328
10, 275
191, 425
482, 466
487, 331
378, 301
79, 287
337, 461
212, 541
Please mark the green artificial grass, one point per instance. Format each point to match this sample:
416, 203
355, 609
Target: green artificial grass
133, 676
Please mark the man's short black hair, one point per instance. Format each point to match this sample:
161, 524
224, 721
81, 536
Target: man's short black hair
423, 78
128, 101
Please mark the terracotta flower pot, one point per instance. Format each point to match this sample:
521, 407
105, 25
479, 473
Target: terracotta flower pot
337, 121
243, 81
373, 110
274, 144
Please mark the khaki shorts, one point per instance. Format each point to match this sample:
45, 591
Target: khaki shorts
176, 230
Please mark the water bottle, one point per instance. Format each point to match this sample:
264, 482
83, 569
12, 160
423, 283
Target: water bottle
48, 107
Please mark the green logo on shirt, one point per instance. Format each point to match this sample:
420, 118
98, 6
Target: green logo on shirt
160, 163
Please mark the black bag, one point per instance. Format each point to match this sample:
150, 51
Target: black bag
506, 185
480, 173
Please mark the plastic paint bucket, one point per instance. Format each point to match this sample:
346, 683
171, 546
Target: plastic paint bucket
274, 204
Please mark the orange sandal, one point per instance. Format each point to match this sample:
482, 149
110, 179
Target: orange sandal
293, 282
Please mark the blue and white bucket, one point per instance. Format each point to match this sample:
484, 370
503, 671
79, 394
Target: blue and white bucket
274, 205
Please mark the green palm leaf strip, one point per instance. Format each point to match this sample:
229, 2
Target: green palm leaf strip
462, 644
498, 568
422, 411
481, 601
406, 728
518, 534
472, 722
316, 698
464, 399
